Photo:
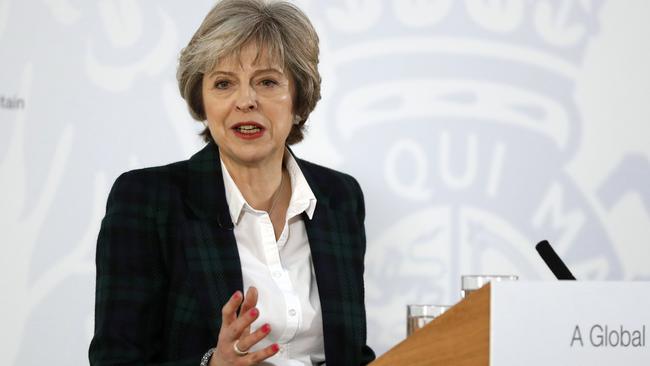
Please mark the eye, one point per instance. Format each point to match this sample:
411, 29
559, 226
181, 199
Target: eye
221, 84
269, 82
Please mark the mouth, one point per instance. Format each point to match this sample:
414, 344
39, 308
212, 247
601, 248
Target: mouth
248, 129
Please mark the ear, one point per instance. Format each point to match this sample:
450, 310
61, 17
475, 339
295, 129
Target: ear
296, 119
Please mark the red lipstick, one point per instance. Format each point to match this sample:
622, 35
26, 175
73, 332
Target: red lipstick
248, 130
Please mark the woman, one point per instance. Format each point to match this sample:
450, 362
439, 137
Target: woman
180, 243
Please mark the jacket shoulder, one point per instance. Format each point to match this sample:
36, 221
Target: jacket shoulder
341, 189
323, 174
146, 191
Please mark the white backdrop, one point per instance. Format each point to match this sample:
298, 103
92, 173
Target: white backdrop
476, 128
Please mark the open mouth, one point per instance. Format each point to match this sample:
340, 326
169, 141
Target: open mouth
248, 130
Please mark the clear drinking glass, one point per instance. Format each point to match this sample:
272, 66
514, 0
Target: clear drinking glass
417, 316
469, 283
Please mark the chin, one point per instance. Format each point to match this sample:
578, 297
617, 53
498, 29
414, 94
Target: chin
252, 154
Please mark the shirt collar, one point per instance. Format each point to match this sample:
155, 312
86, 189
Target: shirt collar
302, 197
234, 198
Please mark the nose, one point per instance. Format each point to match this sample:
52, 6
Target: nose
246, 99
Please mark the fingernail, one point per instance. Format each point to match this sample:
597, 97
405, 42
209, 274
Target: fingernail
275, 347
253, 312
236, 295
266, 328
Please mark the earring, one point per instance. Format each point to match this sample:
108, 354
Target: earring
296, 120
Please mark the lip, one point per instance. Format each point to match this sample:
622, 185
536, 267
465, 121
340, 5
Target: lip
248, 135
245, 123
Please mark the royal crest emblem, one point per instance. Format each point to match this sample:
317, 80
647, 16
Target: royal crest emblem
459, 119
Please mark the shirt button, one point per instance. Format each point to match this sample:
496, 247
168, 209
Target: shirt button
292, 312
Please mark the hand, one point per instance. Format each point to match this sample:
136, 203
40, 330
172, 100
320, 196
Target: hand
237, 329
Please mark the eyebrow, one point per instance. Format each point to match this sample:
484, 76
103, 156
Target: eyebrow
261, 71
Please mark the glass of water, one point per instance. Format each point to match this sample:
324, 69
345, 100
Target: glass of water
417, 316
469, 283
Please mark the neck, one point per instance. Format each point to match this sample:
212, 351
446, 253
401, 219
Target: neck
257, 183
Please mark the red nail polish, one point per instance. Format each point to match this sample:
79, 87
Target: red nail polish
275, 347
253, 312
266, 328
236, 295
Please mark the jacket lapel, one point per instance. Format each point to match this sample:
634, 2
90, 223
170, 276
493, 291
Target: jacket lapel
330, 268
211, 250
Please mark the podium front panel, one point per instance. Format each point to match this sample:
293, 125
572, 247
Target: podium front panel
570, 323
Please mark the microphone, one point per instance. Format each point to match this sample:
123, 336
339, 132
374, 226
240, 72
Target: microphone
553, 261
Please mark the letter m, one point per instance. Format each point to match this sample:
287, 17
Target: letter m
552, 211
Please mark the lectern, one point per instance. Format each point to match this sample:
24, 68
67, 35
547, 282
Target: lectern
536, 323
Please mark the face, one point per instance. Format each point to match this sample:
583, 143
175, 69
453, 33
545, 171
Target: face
249, 107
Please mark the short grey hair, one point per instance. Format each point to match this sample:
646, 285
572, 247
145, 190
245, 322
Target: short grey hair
277, 26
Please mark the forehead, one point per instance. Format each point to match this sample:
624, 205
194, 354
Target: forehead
250, 56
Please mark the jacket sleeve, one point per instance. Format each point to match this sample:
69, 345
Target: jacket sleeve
130, 280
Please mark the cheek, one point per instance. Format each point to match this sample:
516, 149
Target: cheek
284, 118
284, 108
215, 111
211, 105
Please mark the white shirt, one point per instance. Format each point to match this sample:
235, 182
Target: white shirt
282, 271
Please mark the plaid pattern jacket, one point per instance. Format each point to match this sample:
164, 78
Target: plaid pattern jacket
167, 261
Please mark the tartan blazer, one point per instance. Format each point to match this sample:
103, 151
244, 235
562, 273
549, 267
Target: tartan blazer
167, 262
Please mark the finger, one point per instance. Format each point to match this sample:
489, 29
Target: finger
236, 328
250, 301
263, 354
248, 341
229, 310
